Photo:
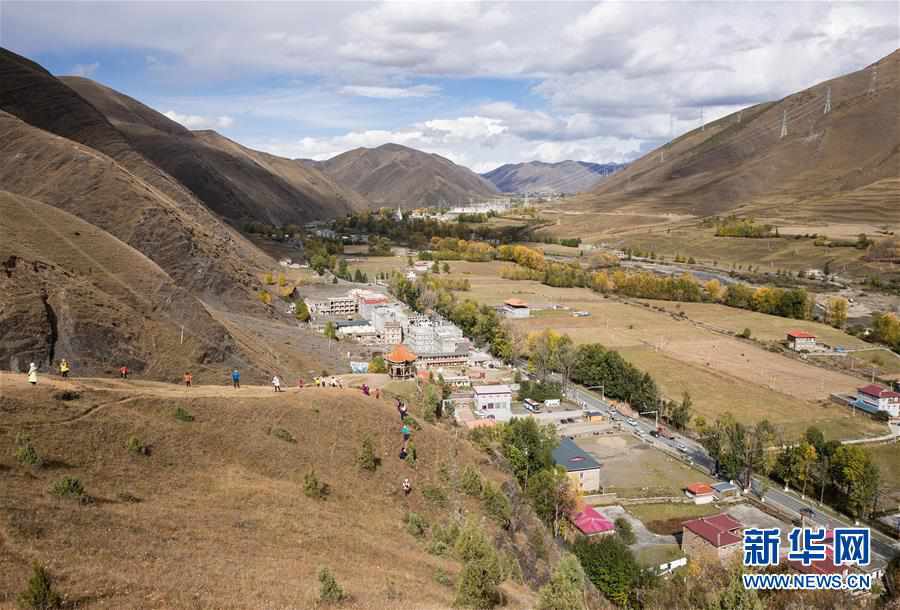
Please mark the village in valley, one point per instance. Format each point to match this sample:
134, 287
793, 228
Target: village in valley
632, 466
430, 305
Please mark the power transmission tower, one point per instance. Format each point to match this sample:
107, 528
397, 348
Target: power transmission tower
784, 124
828, 101
873, 84
702, 123
740, 116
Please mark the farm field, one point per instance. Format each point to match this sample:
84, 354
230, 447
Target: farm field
632, 468
666, 519
888, 459
722, 373
715, 392
373, 265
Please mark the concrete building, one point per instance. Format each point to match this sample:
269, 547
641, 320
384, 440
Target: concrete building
874, 398
700, 493
359, 330
435, 335
493, 401
333, 307
583, 469
719, 537
516, 308
391, 333
800, 340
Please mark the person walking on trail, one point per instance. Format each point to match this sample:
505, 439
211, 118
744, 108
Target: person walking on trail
236, 379
299, 383
276, 382
64, 368
407, 487
365, 389
377, 393
123, 372
401, 409
32, 374
188, 379
406, 432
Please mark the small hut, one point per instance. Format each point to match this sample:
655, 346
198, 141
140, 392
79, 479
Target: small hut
401, 362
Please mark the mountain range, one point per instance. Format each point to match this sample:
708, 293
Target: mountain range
540, 177
789, 159
394, 175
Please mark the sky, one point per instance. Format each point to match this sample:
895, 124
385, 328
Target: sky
480, 83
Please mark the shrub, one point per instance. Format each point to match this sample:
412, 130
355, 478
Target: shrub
313, 487
69, 487
136, 446
366, 459
566, 586
264, 296
412, 423
536, 542
415, 524
268, 279
624, 531
478, 582
443, 578
446, 534
124, 496
25, 452
745, 334
377, 365
67, 395
329, 591
282, 434
496, 504
470, 481
411, 455
39, 595
181, 414
435, 495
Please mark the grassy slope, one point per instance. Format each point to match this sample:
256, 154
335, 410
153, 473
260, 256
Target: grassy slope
222, 520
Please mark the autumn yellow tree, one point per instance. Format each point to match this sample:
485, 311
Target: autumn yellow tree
714, 290
837, 311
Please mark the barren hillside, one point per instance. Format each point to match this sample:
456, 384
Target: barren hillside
72, 290
215, 514
393, 175
840, 166
57, 148
538, 177
236, 182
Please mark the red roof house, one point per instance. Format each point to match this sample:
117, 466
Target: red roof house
591, 523
800, 334
719, 536
700, 493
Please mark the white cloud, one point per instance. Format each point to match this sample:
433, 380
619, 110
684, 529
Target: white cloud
194, 121
390, 93
85, 70
547, 78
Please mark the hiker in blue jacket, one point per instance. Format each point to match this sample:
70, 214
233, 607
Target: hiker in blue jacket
236, 379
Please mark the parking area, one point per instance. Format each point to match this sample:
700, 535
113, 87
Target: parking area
633, 468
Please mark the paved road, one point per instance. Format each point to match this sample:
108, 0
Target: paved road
792, 505
679, 445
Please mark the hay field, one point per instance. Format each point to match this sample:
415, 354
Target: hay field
722, 373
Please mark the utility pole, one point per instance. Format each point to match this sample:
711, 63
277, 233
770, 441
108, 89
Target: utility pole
702, 123
784, 124
828, 101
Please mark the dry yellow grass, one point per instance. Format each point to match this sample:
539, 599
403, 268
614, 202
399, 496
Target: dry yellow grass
222, 520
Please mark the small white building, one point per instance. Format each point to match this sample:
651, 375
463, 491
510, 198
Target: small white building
800, 340
516, 308
493, 401
874, 398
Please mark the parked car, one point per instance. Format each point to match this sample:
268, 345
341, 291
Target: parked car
632, 422
681, 447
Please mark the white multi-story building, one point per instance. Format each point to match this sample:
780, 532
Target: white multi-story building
333, 307
436, 335
494, 401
